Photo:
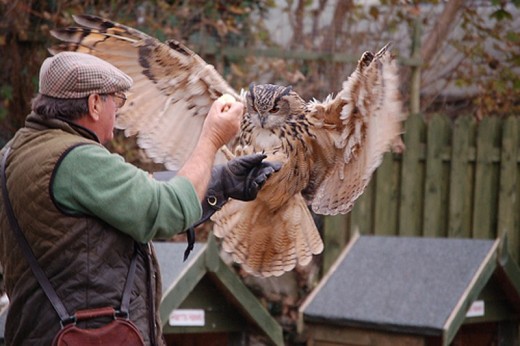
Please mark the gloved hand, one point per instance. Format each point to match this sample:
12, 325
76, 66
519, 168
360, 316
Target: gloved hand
241, 178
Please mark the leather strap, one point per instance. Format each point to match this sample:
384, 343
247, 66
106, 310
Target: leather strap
26, 249
44, 282
88, 314
127, 291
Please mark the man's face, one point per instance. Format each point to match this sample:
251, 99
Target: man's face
107, 118
111, 104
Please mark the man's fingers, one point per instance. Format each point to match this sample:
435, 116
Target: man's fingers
276, 165
254, 159
233, 107
268, 171
262, 178
243, 164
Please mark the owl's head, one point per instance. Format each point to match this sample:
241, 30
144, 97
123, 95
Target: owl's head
270, 106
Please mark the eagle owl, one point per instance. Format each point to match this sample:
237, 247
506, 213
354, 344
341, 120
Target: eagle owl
329, 149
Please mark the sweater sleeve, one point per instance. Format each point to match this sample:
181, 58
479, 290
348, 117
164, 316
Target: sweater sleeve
91, 180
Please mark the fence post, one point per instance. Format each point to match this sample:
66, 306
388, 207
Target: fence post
459, 211
507, 200
486, 180
415, 84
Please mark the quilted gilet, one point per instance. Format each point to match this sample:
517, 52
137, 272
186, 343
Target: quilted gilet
84, 258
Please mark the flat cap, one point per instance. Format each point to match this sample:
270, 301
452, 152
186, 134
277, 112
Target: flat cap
73, 75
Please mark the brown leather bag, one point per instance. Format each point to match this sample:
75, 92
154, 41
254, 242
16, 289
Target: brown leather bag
121, 331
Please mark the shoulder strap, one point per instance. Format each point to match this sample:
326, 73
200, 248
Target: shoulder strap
26, 249
125, 299
44, 282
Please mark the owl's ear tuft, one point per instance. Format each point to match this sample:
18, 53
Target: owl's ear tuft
286, 91
252, 92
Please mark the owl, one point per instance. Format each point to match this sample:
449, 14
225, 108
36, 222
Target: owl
328, 150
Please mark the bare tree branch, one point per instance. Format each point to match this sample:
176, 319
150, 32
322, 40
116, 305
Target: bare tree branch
441, 30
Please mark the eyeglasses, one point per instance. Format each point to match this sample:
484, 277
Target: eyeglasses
119, 99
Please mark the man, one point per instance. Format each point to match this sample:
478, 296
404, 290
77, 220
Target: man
82, 209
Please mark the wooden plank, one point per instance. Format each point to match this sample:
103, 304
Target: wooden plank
335, 238
508, 204
515, 239
477, 284
386, 196
459, 187
361, 214
484, 202
433, 221
332, 335
410, 209
249, 304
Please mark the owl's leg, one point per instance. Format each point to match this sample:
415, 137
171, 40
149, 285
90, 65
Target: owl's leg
227, 153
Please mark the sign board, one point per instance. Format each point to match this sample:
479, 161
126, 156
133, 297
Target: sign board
187, 317
476, 309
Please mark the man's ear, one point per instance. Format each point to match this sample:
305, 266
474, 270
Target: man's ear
94, 106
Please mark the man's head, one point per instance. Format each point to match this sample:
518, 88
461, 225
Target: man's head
82, 88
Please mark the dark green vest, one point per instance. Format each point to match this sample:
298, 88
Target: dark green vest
84, 258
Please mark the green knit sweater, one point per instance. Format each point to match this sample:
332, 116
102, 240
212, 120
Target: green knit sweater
124, 196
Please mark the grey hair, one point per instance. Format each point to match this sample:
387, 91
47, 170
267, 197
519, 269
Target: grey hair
51, 107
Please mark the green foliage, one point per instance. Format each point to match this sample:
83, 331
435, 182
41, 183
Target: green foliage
501, 14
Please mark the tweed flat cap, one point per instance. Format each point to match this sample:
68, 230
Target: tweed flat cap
72, 75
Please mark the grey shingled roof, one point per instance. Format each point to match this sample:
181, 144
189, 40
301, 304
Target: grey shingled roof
170, 258
398, 283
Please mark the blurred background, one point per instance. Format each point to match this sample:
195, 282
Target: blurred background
467, 51
460, 83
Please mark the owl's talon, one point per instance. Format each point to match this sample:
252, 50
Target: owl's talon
227, 153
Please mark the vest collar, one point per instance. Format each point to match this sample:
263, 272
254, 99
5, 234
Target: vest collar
38, 122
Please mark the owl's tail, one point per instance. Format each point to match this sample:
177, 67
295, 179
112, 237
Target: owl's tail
268, 243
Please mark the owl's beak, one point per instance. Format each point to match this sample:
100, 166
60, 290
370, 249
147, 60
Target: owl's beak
263, 119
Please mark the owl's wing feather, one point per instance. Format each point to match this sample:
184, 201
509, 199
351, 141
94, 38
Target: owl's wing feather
173, 87
362, 122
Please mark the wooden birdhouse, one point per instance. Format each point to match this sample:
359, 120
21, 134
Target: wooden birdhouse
205, 303
416, 291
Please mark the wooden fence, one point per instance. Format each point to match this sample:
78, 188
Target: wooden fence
455, 179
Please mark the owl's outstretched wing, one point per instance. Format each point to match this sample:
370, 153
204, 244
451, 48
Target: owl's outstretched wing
173, 87
361, 123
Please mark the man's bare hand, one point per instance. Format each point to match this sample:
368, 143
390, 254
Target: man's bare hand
222, 125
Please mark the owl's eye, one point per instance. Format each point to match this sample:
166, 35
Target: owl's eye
275, 109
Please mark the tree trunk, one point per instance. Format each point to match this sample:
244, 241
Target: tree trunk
441, 30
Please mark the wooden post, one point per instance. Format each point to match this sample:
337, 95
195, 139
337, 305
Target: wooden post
508, 200
335, 237
434, 224
387, 196
459, 220
486, 180
415, 84
412, 171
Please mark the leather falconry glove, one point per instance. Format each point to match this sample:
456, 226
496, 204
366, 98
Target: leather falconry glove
241, 178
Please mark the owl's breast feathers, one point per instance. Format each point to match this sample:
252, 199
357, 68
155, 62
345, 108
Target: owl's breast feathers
305, 157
